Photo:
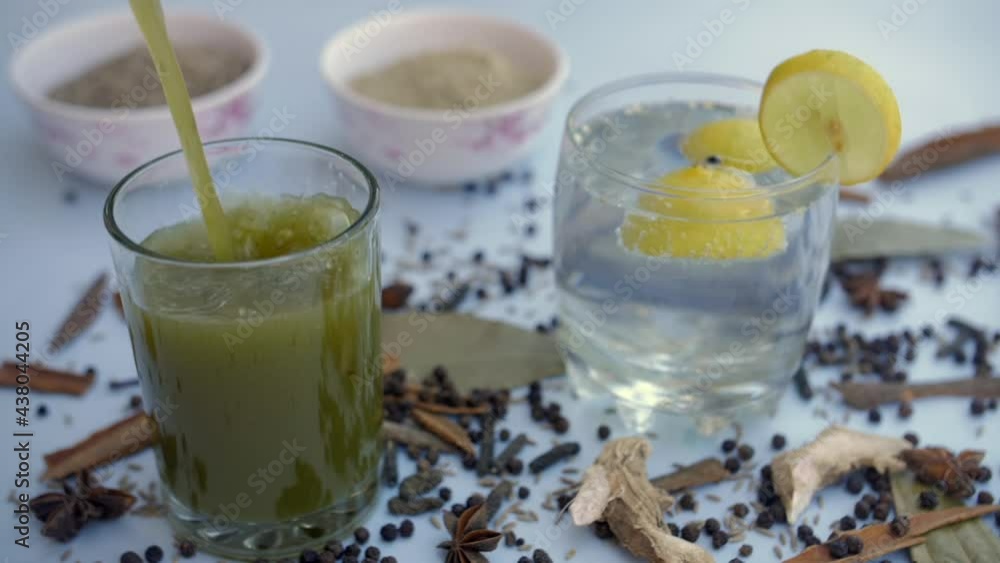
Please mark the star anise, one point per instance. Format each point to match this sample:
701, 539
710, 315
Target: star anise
942, 468
469, 537
64, 514
864, 288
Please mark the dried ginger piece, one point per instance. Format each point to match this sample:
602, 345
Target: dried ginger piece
800, 473
616, 489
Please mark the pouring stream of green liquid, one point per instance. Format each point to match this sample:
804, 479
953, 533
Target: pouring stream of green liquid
149, 14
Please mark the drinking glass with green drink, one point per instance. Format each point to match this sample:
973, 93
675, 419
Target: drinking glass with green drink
255, 317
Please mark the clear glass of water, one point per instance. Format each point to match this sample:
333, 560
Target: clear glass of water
712, 336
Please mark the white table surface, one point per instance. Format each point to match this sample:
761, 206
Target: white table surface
939, 61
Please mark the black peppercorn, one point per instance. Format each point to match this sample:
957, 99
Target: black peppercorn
848, 523
977, 407
361, 535
745, 452
690, 532
862, 510
504, 435
444, 493
335, 547
457, 509
855, 483
911, 438
803, 532
603, 432
874, 416
561, 425
746, 550
474, 499
352, 550
765, 520
778, 442
515, 466
984, 497
388, 559
838, 548
154, 554
372, 552
900, 526
881, 511
674, 530
854, 545
740, 510
523, 492
728, 446
540, 556
719, 539
130, 557
186, 549
686, 502
732, 464
602, 530
927, 500
406, 528
388, 532
309, 556
711, 526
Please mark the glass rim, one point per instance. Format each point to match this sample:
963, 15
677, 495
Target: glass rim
682, 78
366, 217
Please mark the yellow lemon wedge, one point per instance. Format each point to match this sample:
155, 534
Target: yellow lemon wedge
824, 102
736, 142
705, 212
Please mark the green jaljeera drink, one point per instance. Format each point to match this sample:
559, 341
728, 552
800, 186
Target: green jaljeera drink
274, 369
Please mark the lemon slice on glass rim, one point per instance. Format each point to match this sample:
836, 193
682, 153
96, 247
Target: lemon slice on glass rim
829, 102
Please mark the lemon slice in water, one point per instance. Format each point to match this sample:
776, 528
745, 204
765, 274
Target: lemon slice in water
736, 142
715, 213
824, 102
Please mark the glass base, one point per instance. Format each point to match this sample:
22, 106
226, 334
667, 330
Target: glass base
250, 541
643, 412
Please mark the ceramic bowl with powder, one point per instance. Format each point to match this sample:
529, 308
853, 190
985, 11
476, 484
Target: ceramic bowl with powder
98, 109
441, 97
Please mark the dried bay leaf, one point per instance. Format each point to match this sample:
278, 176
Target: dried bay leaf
863, 239
478, 353
968, 542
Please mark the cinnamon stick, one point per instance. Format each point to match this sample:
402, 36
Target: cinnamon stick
445, 429
943, 152
83, 314
847, 194
121, 439
879, 540
704, 472
47, 380
445, 409
867, 395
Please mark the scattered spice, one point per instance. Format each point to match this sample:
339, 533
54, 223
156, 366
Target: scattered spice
64, 514
943, 469
616, 490
83, 314
413, 437
48, 380
876, 540
950, 150
121, 439
864, 289
396, 295
414, 506
485, 462
704, 472
419, 483
868, 395
510, 453
469, 538
445, 429
798, 474
802, 386
553, 456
